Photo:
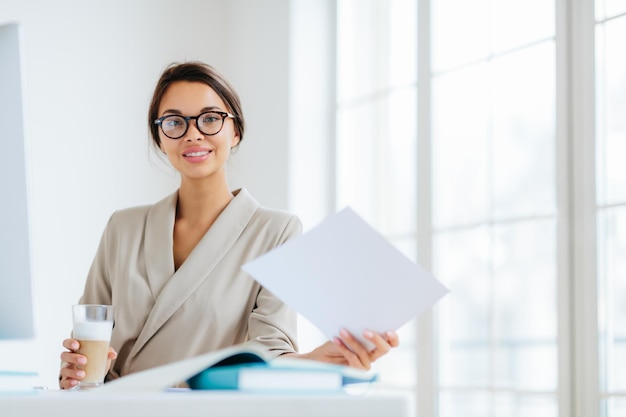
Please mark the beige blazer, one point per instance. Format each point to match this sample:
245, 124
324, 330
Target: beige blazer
162, 315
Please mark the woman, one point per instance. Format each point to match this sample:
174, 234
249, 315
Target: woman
173, 269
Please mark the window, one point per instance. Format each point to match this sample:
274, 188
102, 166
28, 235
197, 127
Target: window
458, 138
377, 153
495, 216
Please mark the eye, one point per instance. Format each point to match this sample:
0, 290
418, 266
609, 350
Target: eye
208, 118
172, 122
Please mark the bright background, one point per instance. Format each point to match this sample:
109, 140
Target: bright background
485, 139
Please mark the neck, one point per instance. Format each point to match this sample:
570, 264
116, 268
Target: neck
201, 201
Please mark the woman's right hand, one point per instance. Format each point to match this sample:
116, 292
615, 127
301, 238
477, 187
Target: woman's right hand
70, 374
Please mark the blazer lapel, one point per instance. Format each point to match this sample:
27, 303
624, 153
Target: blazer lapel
159, 243
197, 267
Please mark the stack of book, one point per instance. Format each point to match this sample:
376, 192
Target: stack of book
244, 369
277, 375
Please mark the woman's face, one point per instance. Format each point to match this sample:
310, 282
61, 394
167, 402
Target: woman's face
196, 155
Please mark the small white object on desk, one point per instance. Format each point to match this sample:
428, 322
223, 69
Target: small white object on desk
17, 382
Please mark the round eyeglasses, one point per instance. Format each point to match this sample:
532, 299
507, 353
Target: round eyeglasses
209, 123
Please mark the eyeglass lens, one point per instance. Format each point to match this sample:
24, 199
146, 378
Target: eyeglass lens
175, 126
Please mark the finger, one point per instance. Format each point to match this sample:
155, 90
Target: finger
112, 354
68, 383
349, 358
71, 344
72, 373
393, 339
357, 348
73, 358
381, 345
70, 377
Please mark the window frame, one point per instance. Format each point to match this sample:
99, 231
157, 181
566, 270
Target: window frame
579, 128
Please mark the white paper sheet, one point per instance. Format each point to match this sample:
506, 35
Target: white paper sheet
344, 274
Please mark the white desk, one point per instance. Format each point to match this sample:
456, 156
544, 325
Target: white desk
204, 404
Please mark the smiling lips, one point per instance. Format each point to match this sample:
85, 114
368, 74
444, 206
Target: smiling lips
196, 154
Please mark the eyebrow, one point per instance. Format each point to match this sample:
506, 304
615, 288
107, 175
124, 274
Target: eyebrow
202, 110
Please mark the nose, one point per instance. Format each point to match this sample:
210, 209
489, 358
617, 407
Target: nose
193, 133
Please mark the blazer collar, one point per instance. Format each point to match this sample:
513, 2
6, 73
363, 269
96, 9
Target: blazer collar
172, 288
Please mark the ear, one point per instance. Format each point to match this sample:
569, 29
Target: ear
235, 141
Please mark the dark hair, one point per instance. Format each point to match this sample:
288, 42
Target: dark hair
196, 72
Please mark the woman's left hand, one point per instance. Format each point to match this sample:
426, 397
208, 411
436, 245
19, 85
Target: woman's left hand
348, 350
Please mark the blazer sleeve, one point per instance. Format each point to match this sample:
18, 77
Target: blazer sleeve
272, 325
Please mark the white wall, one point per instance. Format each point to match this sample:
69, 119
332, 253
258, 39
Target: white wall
88, 73
312, 109
256, 44
311, 123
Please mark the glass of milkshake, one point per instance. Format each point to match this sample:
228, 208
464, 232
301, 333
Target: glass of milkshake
93, 324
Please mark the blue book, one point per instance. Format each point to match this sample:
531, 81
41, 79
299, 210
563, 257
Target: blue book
242, 368
253, 373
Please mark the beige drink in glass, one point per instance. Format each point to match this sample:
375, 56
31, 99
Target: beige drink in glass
93, 325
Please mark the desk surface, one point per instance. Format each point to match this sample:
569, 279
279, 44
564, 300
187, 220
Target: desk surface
204, 404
